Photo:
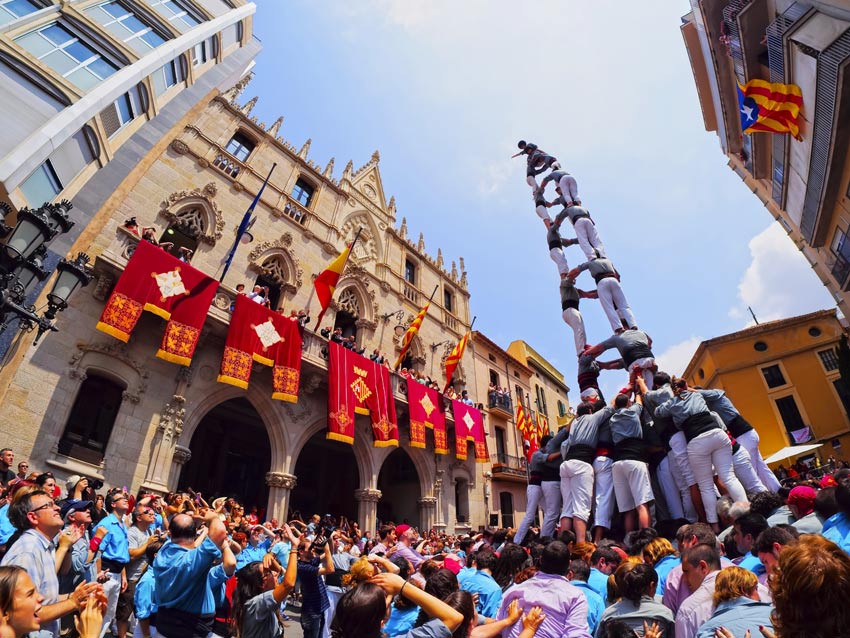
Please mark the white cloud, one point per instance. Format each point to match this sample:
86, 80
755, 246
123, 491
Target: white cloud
779, 282
675, 358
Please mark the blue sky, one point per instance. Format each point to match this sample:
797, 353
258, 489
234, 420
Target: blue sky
445, 89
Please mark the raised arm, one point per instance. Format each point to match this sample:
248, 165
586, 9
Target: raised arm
431, 605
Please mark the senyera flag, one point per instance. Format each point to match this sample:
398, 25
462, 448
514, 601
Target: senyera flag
770, 107
453, 359
411, 332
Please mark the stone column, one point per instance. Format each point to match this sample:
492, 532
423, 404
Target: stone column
158, 476
181, 456
439, 518
427, 505
280, 485
367, 508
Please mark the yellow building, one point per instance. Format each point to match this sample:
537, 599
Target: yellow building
783, 377
548, 392
802, 183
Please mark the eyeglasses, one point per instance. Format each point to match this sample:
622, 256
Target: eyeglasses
148, 512
44, 507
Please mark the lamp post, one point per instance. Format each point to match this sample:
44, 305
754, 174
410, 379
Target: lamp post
22, 258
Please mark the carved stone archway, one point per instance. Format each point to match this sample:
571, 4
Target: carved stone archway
195, 211
276, 259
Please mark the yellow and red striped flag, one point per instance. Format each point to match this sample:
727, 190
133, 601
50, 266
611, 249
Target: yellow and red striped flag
411, 332
454, 358
326, 282
542, 426
770, 108
521, 423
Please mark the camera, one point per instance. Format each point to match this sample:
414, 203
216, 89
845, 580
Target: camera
95, 484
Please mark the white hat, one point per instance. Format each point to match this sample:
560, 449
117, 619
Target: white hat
589, 393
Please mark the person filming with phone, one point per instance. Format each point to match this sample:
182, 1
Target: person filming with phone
314, 561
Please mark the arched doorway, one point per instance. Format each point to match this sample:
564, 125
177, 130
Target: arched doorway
327, 476
231, 454
399, 485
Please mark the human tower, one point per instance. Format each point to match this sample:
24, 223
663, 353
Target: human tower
661, 448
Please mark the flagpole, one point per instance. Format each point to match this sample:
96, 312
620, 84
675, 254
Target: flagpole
347, 257
246, 222
407, 347
449, 380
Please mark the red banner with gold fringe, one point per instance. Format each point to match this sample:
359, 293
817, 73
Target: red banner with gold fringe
258, 334
469, 426
427, 410
162, 284
358, 385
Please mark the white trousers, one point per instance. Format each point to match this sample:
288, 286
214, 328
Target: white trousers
644, 366
745, 471
551, 507
588, 238
631, 484
572, 317
614, 303
604, 497
533, 494
708, 453
333, 599
112, 588
682, 483
672, 496
531, 181
569, 189
576, 489
557, 255
679, 450
542, 213
750, 442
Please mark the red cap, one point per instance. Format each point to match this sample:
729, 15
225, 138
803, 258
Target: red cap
620, 552
401, 529
828, 481
453, 563
803, 498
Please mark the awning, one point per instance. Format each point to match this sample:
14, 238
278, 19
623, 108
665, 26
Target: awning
791, 450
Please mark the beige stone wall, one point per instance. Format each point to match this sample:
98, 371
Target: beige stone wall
164, 403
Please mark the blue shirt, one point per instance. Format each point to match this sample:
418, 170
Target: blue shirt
752, 563
116, 544
400, 622
598, 582
181, 577
488, 590
144, 596
664, 567
595, 604
836, 528
6, 527
252, 554
217, 582
313, 591
738, 616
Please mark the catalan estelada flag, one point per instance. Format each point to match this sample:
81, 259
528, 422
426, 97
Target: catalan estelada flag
770, 108
411, 332
453, 359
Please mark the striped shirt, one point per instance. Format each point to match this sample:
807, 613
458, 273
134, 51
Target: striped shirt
313, 590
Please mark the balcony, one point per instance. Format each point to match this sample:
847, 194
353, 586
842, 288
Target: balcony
500, 404
510, 468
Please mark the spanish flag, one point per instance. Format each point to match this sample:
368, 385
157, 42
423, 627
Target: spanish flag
411, 332
453, 359
770, 108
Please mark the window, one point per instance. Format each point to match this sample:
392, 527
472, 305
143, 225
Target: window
541, 400
203, 51
829, 359
63, 52
520, 395
273, 295
124, 25
760, 346
183, 233
501, 447
92, 418
840, 248
790, 413
448, 300
240, 146
843, 394
175, 14
231, 35
11, 10
494, 377
168, 75
42, 186
121, 112
814, 331
773, 376
506, 505
302, 193
409, 272
562, 409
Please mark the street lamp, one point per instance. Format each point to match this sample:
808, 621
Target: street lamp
22, 264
